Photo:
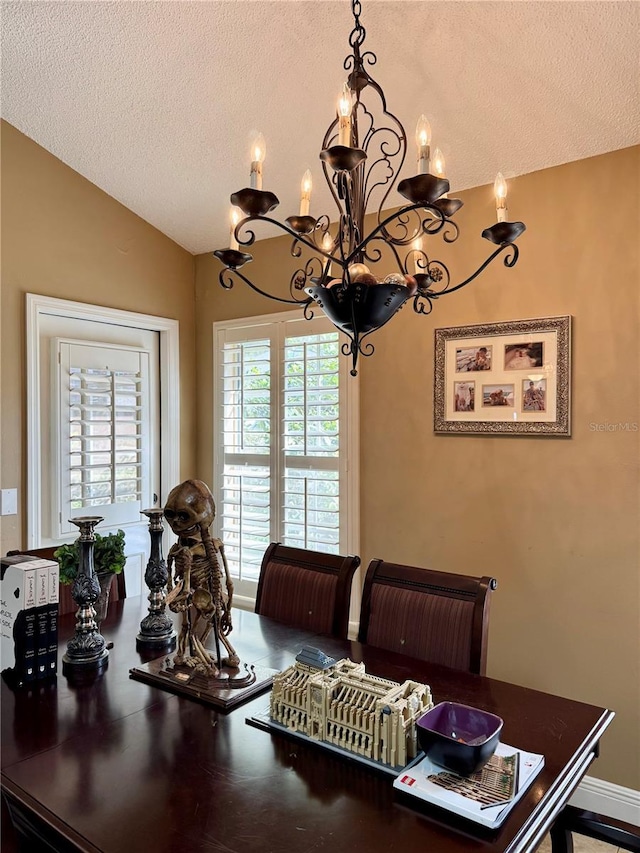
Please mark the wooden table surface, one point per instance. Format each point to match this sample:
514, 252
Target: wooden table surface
120, 766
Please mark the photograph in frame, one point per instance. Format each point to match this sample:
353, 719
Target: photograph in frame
470, 359
505, 378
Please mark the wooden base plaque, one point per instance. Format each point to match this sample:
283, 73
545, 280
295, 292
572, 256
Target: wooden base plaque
230, 688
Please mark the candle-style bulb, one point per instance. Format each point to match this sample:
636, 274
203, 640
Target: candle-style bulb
500, 190
344, 117
417, 255
438, 163
258, 153
259, 149
305, 193
234, 218
423, 141
344, 102
423, 131
327, 246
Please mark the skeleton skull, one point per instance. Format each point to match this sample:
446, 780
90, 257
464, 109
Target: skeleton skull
190, 508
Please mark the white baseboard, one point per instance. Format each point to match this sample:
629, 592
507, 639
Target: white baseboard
609, 799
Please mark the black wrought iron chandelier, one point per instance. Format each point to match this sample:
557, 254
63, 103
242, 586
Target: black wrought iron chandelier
360, 160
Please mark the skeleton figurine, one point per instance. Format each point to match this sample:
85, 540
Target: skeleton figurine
195, 588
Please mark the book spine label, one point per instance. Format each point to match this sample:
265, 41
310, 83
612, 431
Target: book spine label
26, 644
42, 621
52, 619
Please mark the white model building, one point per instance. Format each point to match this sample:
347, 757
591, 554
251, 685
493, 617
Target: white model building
339, 703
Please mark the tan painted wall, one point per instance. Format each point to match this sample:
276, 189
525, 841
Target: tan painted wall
555, 520
63, 237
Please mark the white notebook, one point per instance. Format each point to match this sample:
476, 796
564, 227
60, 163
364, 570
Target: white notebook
486, 797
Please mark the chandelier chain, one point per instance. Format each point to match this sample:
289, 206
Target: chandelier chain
358, 33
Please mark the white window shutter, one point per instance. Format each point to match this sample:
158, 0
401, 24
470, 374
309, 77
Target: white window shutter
281, 440
101, 433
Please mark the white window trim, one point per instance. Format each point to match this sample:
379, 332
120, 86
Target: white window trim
36, 307
353, 445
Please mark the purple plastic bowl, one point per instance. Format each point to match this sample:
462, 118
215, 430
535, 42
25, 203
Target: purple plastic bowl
457, 737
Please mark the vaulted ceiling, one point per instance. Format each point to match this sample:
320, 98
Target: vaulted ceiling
157, 102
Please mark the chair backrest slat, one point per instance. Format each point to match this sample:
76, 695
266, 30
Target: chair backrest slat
426, 614
306, 589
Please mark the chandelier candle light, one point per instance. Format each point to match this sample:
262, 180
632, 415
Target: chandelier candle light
361, 162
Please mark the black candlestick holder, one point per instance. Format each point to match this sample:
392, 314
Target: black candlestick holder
86, 653
156, 629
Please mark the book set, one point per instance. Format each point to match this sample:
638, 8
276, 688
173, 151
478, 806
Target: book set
28, 617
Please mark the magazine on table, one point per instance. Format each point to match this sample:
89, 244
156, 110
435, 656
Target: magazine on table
485, 797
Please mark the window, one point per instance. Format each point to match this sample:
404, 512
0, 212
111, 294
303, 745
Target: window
285, 440
103, 432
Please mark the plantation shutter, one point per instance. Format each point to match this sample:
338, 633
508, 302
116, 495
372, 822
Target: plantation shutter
247, 407
311, 439
103, 433
281, 451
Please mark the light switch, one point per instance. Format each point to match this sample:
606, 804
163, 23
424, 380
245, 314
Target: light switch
8, 501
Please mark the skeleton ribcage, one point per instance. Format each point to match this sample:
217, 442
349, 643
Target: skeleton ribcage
207, 576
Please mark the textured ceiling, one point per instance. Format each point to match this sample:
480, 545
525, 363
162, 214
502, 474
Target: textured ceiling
157, 102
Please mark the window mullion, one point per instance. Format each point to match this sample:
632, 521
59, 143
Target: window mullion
113, 436
277, 427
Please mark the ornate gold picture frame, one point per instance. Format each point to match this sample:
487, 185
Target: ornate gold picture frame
509, 378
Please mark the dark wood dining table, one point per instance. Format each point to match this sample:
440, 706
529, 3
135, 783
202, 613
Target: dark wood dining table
120, 766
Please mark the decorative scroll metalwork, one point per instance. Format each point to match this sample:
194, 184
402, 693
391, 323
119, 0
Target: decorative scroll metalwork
361, 176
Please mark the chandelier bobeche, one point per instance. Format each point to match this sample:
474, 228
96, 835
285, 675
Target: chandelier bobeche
361, 162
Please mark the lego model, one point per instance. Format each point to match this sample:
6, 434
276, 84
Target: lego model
339, 703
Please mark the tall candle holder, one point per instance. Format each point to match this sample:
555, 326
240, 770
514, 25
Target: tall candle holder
86, 651
156, 629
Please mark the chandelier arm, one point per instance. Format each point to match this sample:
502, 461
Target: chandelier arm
395, 253
301, 276
381, 229
419, 303
298, 238
439, 221
445, 236
509, 261
230, 282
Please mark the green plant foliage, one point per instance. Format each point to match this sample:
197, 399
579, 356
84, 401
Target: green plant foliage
108, 556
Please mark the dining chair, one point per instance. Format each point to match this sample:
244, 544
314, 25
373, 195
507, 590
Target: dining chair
66, 603
306, 589
572, 820
435, 616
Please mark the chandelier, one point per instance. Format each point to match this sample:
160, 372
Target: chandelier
362, 154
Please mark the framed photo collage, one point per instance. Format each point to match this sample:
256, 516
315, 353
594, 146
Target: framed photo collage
510, 378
